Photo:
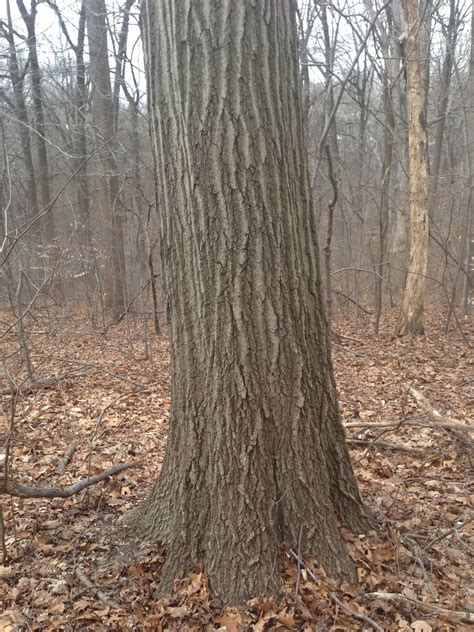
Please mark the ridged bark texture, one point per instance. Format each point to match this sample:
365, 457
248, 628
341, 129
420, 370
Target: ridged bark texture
256, 455
415, 65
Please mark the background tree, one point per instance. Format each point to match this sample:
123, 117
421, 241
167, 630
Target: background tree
468, 299
415, 67
256, 457
29, 18
104, 122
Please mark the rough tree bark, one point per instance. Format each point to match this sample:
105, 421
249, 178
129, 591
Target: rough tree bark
256, 455
415, 62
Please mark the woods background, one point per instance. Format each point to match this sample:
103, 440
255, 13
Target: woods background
78, 221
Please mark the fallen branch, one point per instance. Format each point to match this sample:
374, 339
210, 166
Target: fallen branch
385, 445
414, 421
46, 383
345, 607
438, 417
12, 488
448, 423
82, 577
426, 608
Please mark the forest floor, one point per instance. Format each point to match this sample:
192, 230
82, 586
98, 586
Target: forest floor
65, 570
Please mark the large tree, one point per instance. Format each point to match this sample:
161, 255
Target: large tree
256, 457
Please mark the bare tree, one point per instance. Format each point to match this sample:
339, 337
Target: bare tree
468, 298
451, 34
415, 68
29, 19
108, 194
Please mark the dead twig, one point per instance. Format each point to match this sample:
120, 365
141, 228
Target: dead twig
85, 581
385, 445
12, 488
67, 458
46, 383
446, 534
2, 538
426, 608
345, 607
356, 615
414, 421
418, 553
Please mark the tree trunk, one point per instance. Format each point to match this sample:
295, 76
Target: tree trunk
468, 297
415, 61
389, 78
16, 78
256, 457
328, 75
388, 144
80, 133
103, 117
43, 167
445, 83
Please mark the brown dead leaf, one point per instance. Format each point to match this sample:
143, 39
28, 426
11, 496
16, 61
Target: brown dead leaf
230, 620
57, 607
421, 626
286, 618
6, 572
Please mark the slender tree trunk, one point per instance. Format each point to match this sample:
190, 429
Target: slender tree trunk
256, 457
415, 60
120, 60
445, 83
43, 167
80, 143
388, 143
108, 194
17, 80
468, 297
329, 100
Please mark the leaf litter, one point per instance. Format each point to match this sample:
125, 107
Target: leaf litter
67, 569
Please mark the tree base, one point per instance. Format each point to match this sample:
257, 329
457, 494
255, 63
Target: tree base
245, 567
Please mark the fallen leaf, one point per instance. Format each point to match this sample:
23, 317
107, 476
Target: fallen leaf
421, 626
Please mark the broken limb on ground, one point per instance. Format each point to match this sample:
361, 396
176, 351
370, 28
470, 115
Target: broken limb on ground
406, 403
